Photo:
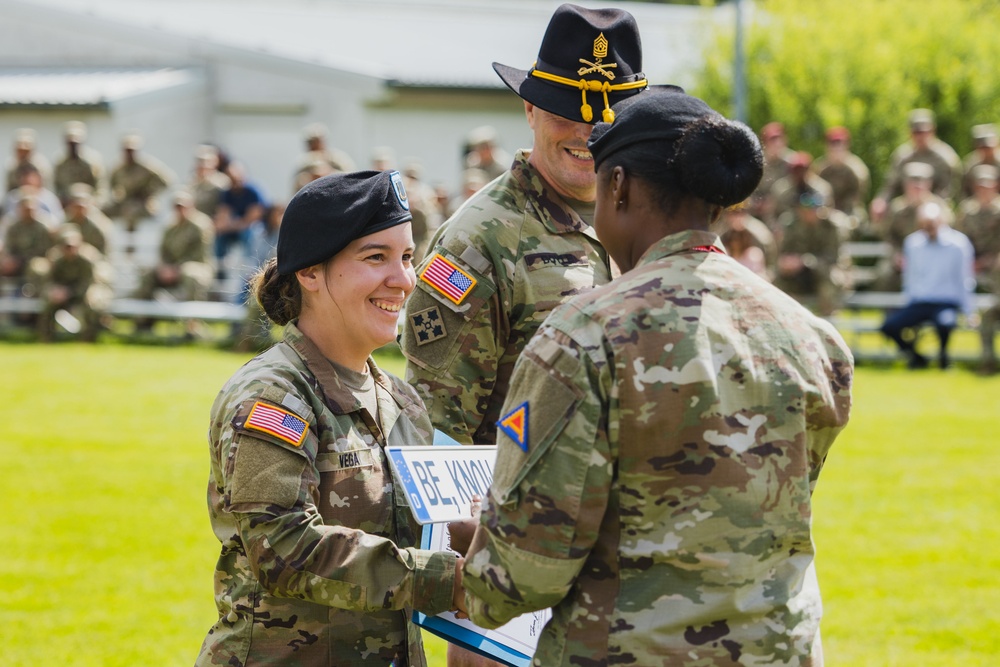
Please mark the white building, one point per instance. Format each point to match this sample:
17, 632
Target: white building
248, 75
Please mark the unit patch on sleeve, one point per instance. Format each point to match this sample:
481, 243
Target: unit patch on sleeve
515, 425
277, 422
428, 326
448, 279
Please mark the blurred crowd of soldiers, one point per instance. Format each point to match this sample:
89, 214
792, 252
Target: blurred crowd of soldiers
793, 228
56, 223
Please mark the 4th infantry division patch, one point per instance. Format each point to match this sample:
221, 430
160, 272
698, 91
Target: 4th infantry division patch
428, 326
515, 425
448, 279
277, 422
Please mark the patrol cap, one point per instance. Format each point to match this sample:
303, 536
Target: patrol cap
485, 135
132, 141
918, 171
326, 215
413, 169
800, 160
206, 153
838, 133
26, 196
75, 132
587, 55
81, 193
984, 174
183, 198
315, 131
474, 178
772, 130
384, 155
24, 138
70, 235
984, 135
921, 120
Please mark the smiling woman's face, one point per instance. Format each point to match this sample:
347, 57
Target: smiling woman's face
363, 290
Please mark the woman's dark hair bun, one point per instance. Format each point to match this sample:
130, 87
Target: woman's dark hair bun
719, 160
278, 294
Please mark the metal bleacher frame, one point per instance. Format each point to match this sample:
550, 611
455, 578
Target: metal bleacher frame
127, 267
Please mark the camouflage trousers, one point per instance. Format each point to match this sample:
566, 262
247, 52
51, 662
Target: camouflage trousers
193, 285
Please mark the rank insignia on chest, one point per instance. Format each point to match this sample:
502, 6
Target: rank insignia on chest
448, 279
515, 425
277, 422
428, 326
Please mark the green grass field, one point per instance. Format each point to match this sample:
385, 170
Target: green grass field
107, 554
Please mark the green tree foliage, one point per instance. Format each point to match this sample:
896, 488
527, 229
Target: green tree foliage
864, 64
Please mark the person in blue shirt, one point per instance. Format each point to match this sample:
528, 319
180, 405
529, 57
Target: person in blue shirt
938, 282
239, 207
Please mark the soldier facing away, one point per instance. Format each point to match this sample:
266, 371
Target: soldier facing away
649, 419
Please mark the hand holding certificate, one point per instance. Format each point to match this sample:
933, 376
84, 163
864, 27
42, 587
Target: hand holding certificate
444, 485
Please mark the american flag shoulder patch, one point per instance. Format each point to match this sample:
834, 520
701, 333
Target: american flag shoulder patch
445, 277
277, 422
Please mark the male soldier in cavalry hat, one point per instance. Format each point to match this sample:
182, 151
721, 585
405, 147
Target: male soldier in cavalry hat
524, 243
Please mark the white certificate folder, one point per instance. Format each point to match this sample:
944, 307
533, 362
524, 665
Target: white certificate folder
453, 478
511, 644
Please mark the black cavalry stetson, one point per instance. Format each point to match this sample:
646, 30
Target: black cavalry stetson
587, 55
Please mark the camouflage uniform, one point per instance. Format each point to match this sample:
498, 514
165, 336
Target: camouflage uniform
207, 192
970, 162
758, 232
678, 420
318, 565
26, 240
85, 167
134, 188
850, 181
85, 275
528, 251
95, 228
762, 199
785, 192
824, 273
332, 159
186, 244
982, 225
940, 156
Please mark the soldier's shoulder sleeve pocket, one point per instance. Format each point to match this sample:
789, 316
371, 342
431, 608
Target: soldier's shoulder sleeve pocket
447, 306
540, 405
269, 456
275, 416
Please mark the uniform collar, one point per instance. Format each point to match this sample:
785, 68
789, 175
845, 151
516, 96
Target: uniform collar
337, 395
555, 214
687, 241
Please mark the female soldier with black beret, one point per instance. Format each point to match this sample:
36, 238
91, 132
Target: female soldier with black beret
318, 564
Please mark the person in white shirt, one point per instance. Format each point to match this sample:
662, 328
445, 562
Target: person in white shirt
938, 282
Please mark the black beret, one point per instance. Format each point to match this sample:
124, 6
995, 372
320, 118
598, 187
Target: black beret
660, 113
326, 215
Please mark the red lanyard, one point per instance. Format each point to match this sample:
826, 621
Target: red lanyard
706, 248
